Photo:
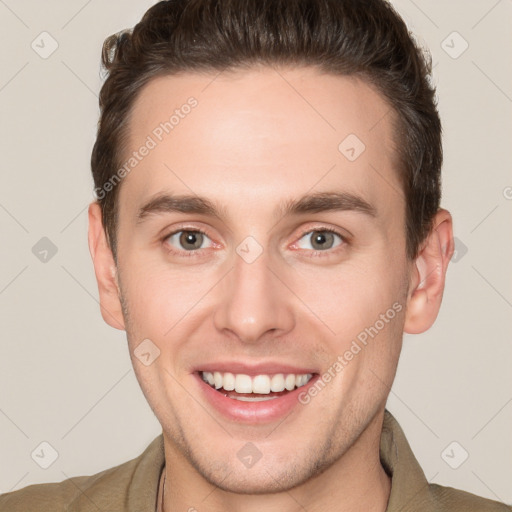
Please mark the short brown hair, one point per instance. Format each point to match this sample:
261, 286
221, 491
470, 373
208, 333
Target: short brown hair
364, 38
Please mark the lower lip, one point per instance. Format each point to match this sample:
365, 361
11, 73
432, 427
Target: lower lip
253, 412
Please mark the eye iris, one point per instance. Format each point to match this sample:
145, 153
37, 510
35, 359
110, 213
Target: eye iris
191, 237
195, 238
321, 237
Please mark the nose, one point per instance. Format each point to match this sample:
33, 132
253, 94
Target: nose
254, 300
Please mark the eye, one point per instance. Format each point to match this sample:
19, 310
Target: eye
189, 240
320, 239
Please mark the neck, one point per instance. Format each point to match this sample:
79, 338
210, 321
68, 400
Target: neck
355, 482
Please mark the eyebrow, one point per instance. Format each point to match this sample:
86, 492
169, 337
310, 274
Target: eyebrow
310, 203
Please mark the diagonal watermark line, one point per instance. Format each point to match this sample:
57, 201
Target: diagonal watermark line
75, 425
432, 478
399, 192
197, 402
424, 280
424, 13
192, 191
13, 218
501, 409
215, 487
76, 14
487, 486
279, 424
93, 92
83, 493
307, 192
91, 295
485, 15
488, 215
213, 80
13, 13
492, 81
17, 483
405, 506
391, 391
287, 492
74, 218
14, 76
13, 279
14, 424
493, 287
196, 303
379, 120
311, 311
305, 99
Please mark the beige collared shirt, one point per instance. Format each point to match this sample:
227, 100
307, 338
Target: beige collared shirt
133, 486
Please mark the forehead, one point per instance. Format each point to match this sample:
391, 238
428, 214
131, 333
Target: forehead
248, 137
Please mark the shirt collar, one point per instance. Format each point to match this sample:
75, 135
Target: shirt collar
410, 490
133, 486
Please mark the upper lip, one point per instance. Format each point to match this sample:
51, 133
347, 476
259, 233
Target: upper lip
268, 368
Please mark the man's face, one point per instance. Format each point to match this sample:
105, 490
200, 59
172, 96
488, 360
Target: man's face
263, 293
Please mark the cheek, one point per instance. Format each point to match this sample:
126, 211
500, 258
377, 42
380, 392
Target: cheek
353, 296
163, 298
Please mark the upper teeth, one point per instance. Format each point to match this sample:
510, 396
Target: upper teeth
261, 384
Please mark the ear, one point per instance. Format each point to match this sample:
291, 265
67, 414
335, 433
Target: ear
105, 269
428, 275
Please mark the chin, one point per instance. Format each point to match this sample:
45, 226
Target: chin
255, 481
268, 475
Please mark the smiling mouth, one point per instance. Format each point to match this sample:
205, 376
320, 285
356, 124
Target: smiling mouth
245, 388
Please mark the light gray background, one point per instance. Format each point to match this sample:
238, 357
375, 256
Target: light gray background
66, 377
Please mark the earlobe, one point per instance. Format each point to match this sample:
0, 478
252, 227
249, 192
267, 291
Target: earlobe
105, 270
428, 276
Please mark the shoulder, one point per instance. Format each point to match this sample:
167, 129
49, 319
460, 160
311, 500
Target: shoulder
450, 499
51, 496
59, 496
135, 480
410, 490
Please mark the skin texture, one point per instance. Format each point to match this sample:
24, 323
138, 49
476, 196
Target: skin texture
256, 139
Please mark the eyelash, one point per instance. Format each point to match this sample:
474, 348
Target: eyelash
314, 253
